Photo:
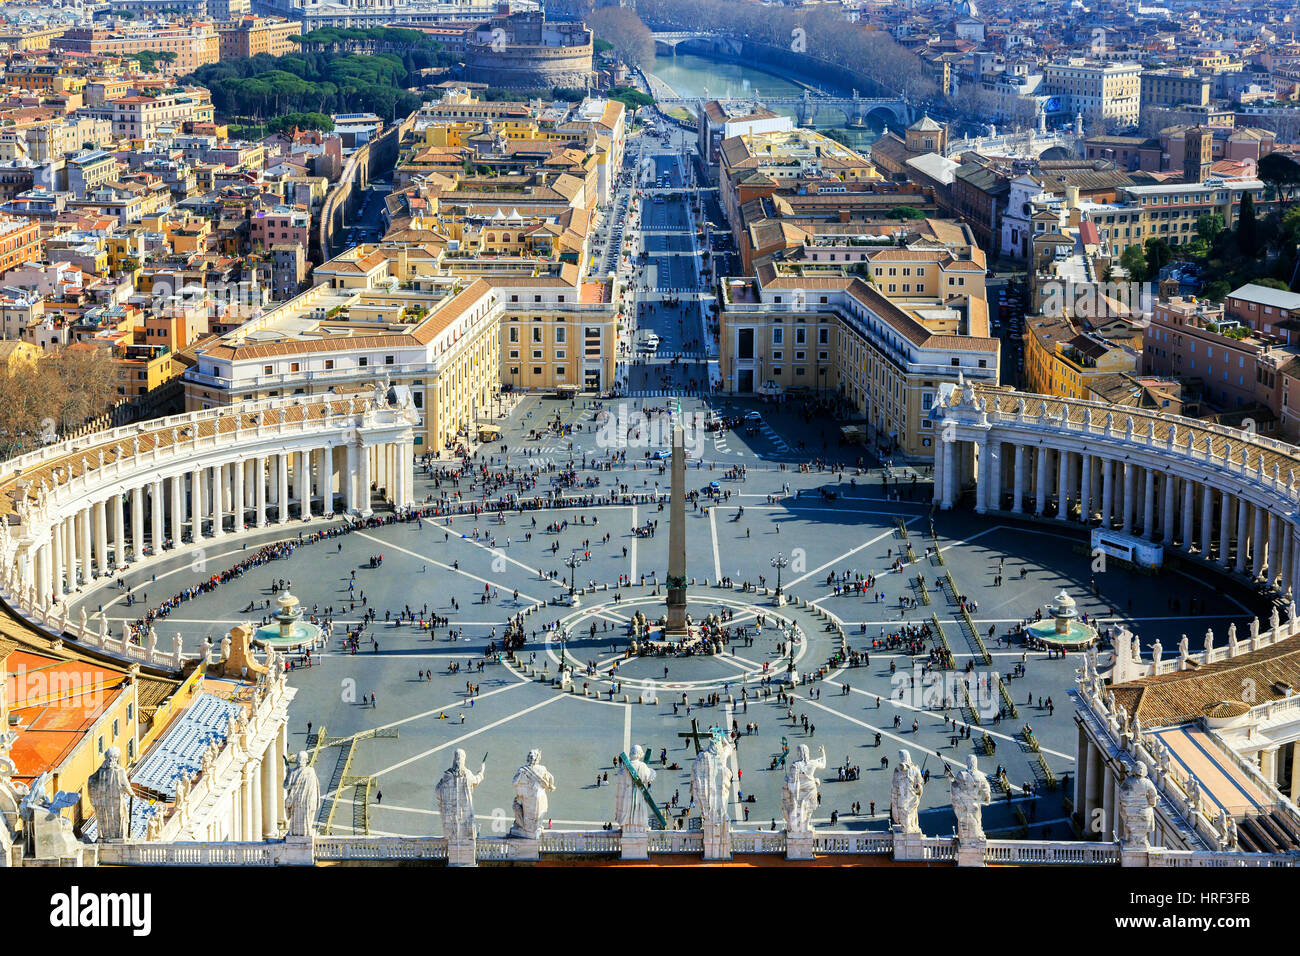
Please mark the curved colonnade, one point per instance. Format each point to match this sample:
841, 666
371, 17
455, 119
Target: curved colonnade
83, 509
1223, 495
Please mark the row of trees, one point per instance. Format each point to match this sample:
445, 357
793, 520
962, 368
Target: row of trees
820, 32
329, 37
59, 392
264, 86
623, 30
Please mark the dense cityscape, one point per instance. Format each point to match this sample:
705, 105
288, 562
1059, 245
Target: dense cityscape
768, 428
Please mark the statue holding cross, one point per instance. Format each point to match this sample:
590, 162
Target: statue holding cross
694, 735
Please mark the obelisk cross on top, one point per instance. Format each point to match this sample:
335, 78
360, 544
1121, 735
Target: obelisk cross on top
676, 617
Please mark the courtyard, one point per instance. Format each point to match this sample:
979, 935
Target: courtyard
393, 710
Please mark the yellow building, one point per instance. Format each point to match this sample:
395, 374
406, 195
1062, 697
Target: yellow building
1063, 361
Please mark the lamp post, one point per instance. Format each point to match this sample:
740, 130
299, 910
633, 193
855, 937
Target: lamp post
779, 562
572, 562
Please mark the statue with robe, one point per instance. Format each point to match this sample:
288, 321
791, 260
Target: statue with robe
711, 779
905, 794
1137, 801
110, 794
532, 782
800, 796
455, 793
631, 812
970, 793
302, 798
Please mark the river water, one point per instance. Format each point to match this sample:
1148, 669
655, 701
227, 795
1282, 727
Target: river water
691, 76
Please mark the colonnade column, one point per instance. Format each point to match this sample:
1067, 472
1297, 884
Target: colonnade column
218, 479
979, 449
1225, 526
991, 500
137, 522
237, 503
1062, 485
178, 510
1207, 521
1040, 484
1243, 532
364, 477
119, 530
1130, 495
1258, 545
267, 778
84, 542
1018, 482
101, 537
1107, 491
156, 516
1167, 512
259, 486
282, 487
1189, 512
304, 484
196, 504
1085, 487
325, 478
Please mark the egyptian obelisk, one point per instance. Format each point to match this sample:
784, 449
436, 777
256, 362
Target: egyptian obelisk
677, 538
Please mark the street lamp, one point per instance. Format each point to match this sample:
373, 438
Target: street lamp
572, 562
779, 562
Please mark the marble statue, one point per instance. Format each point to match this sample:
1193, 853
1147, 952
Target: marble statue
905, 794
110, 794
711, 778
532, 782
302, 798
456, 800
970, 792
631, 812
800, 796
11, 797
1137, 800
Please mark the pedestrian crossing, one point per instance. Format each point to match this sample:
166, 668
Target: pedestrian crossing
770, 433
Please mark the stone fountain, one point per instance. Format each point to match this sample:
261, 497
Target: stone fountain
290, 632
1063, 630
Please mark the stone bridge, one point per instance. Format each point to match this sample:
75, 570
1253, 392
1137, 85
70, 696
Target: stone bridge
855, 108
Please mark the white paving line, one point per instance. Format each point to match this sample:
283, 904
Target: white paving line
880, 537
632, 550
467, 736
717, 558
445, 567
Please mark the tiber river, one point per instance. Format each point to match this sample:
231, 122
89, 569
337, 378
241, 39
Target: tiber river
691, 76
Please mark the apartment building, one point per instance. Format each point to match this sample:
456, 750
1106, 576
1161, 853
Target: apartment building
837, 334
1104, 92
1063, 360
1175, 87
195, 44
251, 35
137, 116
1194, 340
1167, 211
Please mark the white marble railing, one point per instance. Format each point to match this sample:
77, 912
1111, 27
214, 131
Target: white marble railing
379, 848
675, 841
204, 854
608, 843
1130, 666
1034, 852
1219, 859
871, 841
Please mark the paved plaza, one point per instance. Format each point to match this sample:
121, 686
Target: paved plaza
825, 523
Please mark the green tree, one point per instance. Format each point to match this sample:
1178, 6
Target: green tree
1247, 227
1159, 255
1134, 260
1281, 174
1208, 227
904, 212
